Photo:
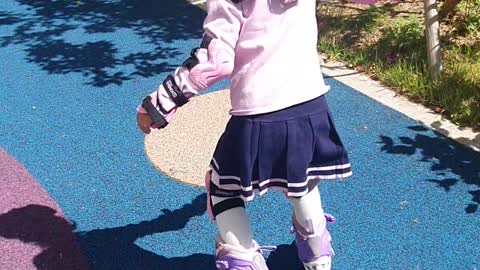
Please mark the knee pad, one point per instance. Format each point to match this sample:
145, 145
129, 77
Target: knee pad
228, 257
314, 242
231, 202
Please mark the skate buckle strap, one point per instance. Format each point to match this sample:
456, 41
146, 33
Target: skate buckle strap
267, 249
221, 264
330, 220
227, 263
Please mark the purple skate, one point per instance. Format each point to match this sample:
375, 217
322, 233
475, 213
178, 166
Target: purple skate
314, 245
228, 257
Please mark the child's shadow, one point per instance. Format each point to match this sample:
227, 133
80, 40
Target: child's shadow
38, 225
284, 258
114, 248
111, 248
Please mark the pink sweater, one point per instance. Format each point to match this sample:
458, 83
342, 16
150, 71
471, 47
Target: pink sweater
273, 46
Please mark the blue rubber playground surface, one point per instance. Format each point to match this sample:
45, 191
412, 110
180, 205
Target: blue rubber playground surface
72, 73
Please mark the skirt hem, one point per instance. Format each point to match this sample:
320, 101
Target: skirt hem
231, 184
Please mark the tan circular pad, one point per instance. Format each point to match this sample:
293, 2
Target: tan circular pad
184, 148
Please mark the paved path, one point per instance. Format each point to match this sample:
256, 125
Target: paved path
72, 159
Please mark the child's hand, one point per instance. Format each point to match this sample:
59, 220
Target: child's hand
144, 122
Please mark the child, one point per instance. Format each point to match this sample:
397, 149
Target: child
280, 135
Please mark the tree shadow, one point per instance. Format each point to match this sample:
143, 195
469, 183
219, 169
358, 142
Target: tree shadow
111, 248
41, 27
446, 156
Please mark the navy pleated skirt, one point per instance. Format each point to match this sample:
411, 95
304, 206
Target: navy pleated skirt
288, 150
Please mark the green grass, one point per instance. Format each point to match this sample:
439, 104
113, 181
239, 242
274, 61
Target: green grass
407, 78
470, 16
459, 89
392, 49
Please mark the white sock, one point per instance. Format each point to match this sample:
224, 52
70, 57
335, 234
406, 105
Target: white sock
308, 209
234, 226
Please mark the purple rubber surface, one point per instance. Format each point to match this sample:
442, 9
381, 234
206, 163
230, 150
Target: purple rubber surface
33, 231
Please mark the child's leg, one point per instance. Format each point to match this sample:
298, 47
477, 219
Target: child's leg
308, 209
235, 248
234, 225
312, 238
